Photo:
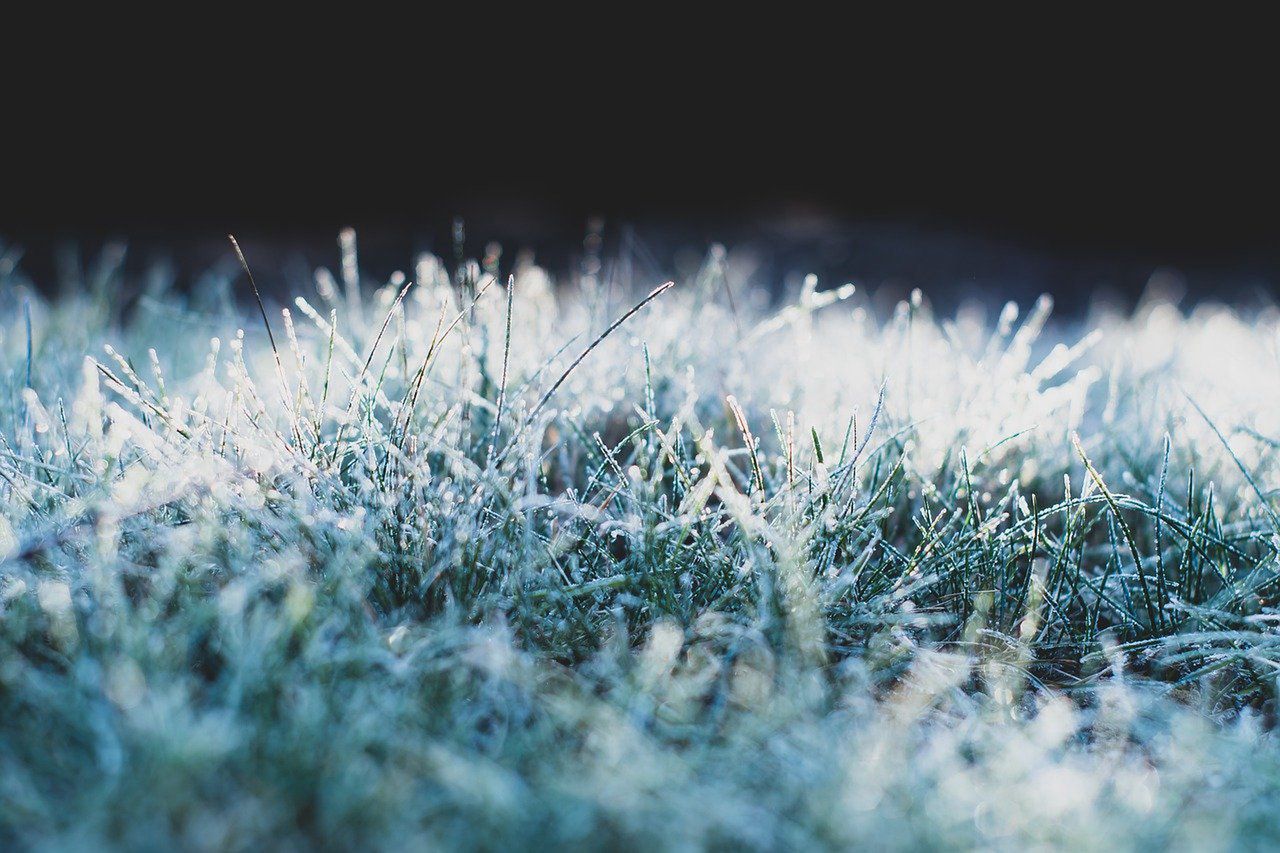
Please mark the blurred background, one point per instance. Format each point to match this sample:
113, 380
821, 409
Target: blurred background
974, 176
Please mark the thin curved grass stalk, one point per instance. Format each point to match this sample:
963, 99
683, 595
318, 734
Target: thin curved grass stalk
355, 386
1262, 498
410, 401
502, 384
757, 478
537, 409
1154, 614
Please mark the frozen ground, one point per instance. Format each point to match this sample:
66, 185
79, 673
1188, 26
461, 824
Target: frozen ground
406, 570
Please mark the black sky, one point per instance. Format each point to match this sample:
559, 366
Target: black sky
1161, 157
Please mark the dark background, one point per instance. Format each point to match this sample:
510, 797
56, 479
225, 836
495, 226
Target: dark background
977, 174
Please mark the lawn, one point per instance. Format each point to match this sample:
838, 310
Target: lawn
472, 558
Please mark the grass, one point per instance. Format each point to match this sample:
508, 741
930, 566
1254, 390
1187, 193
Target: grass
472, 561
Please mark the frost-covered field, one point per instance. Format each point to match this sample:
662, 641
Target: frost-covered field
410, 573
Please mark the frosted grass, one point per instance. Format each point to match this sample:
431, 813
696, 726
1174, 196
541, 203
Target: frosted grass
427, 566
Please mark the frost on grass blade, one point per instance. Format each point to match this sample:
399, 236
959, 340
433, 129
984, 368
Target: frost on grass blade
463, 567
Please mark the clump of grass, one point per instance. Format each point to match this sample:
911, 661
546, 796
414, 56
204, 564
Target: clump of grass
437, 572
